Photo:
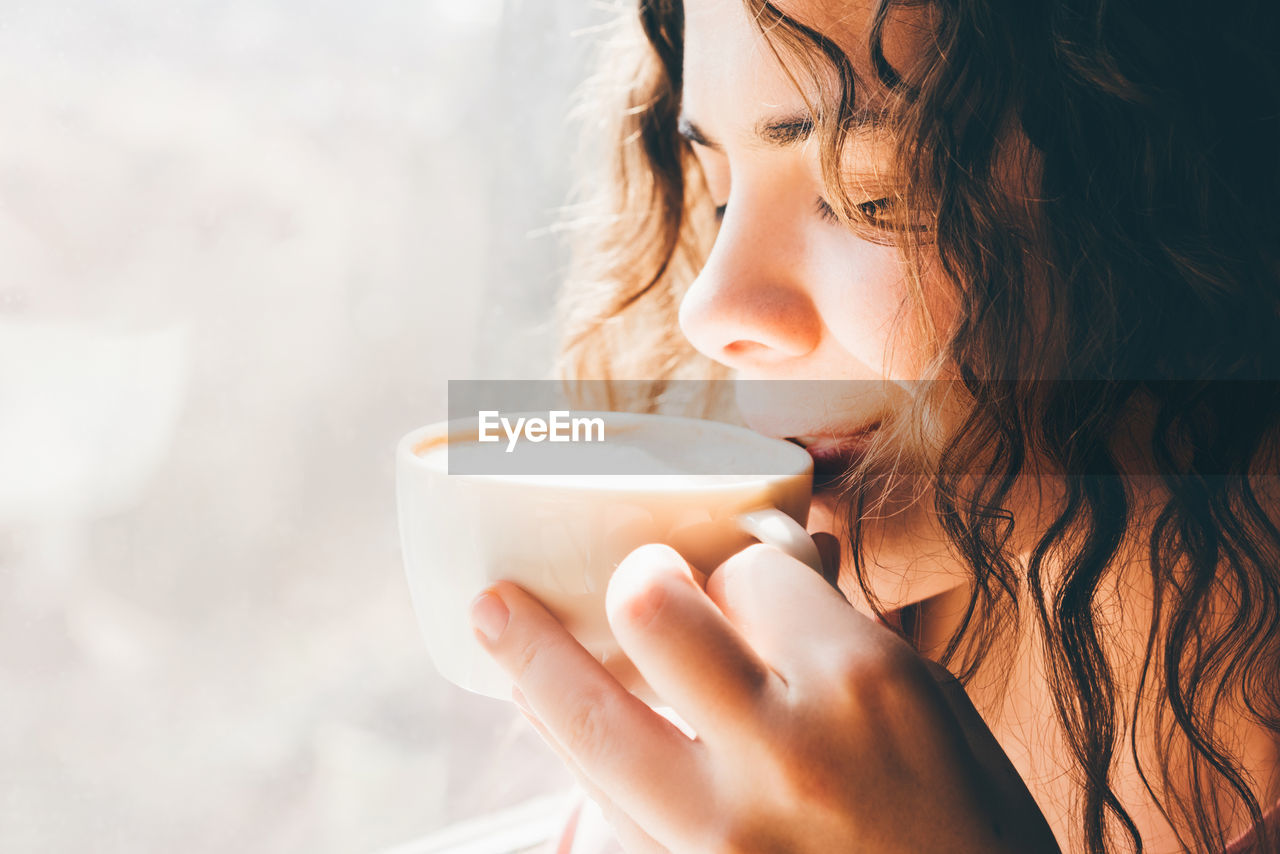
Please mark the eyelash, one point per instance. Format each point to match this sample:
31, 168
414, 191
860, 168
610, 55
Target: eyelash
824, 210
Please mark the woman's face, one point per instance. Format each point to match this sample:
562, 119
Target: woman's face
788, 292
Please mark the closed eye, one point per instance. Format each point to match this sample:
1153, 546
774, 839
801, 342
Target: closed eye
875, 209
871, 210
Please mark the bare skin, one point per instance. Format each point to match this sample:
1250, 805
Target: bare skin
818, 729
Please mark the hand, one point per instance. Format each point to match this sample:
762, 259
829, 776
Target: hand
817, 729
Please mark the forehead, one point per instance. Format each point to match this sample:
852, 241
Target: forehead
728, 63
728, 67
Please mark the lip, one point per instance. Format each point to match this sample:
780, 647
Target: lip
833, 456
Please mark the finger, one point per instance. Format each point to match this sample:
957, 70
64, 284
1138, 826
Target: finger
687, 651
641, 761
629, 834
792, 616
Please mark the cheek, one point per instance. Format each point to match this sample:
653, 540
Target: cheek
866, 303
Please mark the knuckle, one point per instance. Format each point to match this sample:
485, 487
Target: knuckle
876, 680
815, 781
524, 659
585, 729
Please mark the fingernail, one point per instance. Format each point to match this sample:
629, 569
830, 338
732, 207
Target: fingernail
489, 615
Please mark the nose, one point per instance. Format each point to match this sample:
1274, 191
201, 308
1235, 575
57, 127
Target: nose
750, 307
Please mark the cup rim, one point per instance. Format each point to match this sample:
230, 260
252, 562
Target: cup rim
409, 459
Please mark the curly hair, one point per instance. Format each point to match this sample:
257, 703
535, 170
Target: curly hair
1134, 271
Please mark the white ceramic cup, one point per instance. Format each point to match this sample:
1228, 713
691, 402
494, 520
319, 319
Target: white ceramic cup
560, 538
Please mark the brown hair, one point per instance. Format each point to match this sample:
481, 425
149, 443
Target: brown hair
1139, 274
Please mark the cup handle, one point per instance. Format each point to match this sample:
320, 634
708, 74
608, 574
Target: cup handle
774, 528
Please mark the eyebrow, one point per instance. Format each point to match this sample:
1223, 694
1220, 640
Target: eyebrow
779, 132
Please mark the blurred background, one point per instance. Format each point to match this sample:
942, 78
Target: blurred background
243, 246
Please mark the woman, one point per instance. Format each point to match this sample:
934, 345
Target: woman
1030, 251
